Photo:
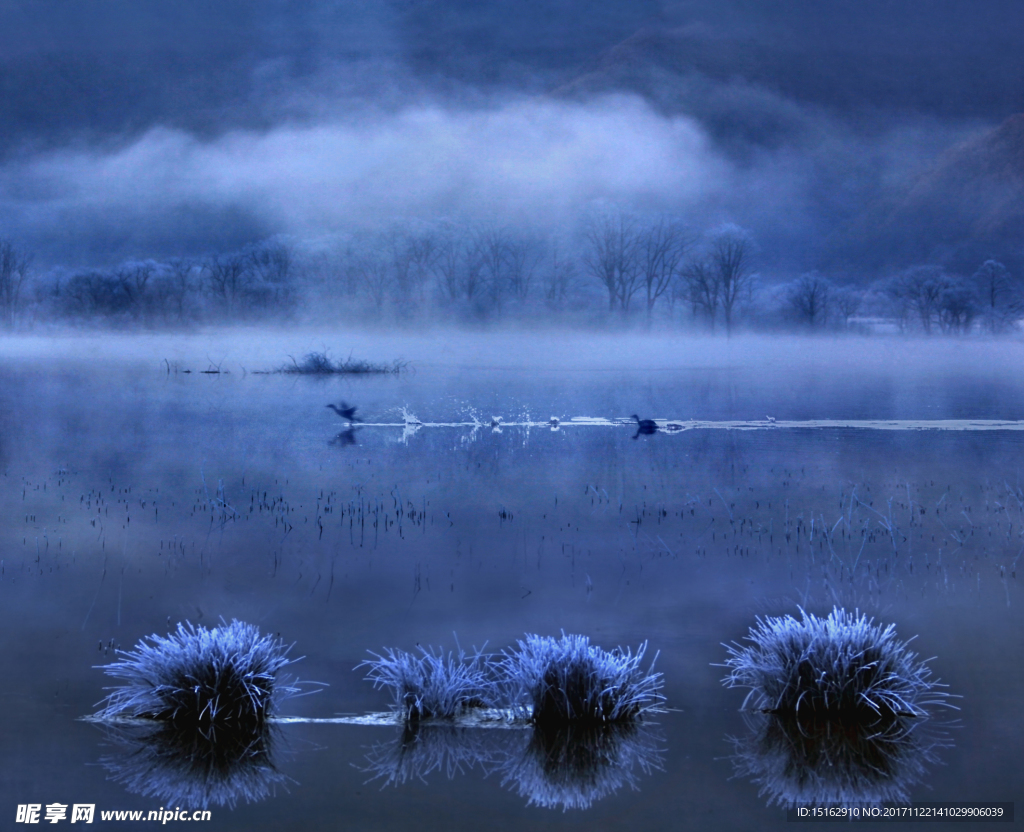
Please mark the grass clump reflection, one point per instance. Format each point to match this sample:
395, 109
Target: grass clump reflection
207, 679
800, 761
843, 665
184, 767
568, 680
574, 766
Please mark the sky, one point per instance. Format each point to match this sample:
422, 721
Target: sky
178, 127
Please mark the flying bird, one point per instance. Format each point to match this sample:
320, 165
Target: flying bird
346, 412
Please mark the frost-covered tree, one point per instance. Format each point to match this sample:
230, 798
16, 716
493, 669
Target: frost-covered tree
917, 293
662, 245
731, 250
809, 297
1000, 299
611, 256
847, 300
701, 289
958, 306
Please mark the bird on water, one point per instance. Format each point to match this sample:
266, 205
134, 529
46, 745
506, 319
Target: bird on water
345, 411
645, 426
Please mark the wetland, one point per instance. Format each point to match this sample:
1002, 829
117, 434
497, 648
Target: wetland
498, 485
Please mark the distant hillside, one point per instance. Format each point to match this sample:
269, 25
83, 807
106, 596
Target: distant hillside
969, 206
976, 190
706, 69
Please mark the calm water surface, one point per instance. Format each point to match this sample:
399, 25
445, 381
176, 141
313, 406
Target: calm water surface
136, 495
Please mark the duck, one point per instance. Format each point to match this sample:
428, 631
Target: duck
645, 426
345, 411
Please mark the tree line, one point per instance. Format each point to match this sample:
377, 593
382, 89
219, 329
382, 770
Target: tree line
617, 266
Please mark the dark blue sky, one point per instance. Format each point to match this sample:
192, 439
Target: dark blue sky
162, 127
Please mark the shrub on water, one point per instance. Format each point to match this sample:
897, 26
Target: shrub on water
225, 677
843, 665
567, 679
432, 685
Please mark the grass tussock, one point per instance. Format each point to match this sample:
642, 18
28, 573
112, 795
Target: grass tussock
568, 680
433, 684
222, 678
320, 364
840, 666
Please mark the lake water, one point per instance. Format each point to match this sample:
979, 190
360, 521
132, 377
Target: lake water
136, 495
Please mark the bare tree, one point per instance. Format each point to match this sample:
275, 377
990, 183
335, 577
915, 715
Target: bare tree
492, 246
271, 261
809, 296
660, 252
522, 257
411, 256
731, 250
921, 288
174, 285
999, 296
228, 278
134, 277
702, 290
13, 269
95, 293
559, 278
422, 254
895, 300
847, 301
375, 277
611, 255
447, 262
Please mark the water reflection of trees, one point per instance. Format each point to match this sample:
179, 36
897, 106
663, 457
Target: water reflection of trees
185, 766
835, 762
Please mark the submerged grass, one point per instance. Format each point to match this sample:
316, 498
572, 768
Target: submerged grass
569, 680
320, 364
222, 678
843, 665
